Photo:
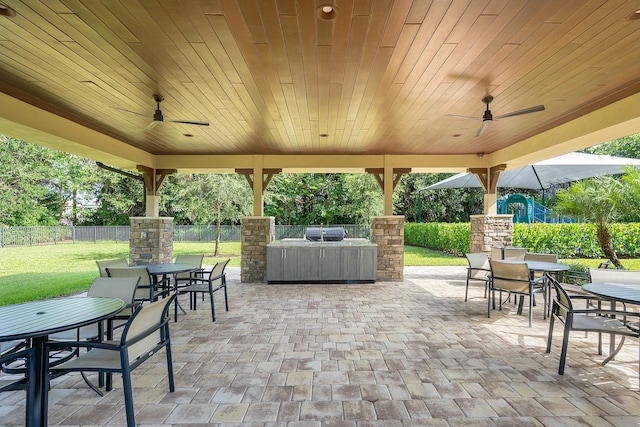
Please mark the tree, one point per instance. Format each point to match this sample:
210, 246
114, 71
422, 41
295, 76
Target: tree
28, 194
448, 205
597, 201
304, 199
205, 199
628, 146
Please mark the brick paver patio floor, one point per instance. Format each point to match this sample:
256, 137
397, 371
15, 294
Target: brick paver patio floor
384, 354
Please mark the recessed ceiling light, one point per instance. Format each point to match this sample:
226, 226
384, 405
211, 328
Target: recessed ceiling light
188, 135
326, 12
324, 135
6, 11
635, 15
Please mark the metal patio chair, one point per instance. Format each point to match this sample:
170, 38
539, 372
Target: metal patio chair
478, 269
214, 281
111, 263
145, 334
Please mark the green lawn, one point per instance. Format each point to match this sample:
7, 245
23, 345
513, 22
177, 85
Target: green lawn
39, 272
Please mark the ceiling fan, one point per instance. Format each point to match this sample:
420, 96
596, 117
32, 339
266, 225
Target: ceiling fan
159, 118
488, 117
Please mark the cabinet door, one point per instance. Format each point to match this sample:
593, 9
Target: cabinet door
275, 264
331, 258
368, 263
290, 264
350, 263
310, 263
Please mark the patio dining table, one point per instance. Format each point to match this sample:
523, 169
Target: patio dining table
627, 293
35, 321
170, 269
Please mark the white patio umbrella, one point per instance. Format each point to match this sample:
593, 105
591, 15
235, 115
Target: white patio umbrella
542, 175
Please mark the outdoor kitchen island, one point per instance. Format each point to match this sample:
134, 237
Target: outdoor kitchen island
322, 261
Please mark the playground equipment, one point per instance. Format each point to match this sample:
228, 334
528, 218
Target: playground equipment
526, 210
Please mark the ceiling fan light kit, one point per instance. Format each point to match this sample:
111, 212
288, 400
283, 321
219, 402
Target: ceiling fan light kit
488, 116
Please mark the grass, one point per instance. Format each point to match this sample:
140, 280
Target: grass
30, 273
40, 272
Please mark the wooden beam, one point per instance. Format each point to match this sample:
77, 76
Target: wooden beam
378, 173
267, 175
488, 177
154, 178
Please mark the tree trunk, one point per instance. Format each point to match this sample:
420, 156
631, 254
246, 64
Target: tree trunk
606, 244
218, 223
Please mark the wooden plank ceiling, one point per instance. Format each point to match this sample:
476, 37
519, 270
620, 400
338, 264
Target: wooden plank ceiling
281, 77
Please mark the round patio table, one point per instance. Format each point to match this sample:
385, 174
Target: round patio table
35, 321
627, 293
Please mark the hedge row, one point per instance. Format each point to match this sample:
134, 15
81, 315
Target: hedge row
566, 240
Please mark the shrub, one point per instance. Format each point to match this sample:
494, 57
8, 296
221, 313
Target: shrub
566, 240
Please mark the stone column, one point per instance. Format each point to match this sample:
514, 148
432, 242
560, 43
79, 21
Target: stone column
388, 233
257, 233
151, 240
490, 230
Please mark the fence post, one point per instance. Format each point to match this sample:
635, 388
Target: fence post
95, 232
3, 236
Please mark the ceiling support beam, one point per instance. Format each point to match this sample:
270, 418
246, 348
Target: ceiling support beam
267, 175
378, 173
153, 180
488, 178
258, 185
388, 177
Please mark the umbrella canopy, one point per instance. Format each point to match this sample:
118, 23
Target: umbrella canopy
542, 175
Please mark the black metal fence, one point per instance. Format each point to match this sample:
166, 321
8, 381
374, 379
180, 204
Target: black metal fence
29, 236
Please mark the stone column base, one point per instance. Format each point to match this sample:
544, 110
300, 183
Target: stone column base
388, 233
490, 230
257, 233
151, 240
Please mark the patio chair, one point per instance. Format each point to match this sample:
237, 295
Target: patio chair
22, 381
515, 279
597, 320
514, 253
145, 334
196, 260
111, 263
117, 287
496, 252
479, 269
148, 289
211, 283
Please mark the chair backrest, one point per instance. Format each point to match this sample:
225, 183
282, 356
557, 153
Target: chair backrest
496, 252
142, 291
118, 287
217, 272
512, 277
602, 275
479, 266
146, 328
565, 307
13, 382
532, 256
514, 253
188, 259
112, 263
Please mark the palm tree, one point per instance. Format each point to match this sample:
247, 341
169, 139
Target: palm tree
597, 201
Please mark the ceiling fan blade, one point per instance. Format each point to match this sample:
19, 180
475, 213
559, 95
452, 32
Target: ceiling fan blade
483, 128
152, 125
463, 117
189, 122
520, 112
133, 112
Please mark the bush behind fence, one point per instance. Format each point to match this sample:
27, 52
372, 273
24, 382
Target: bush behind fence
28, 236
